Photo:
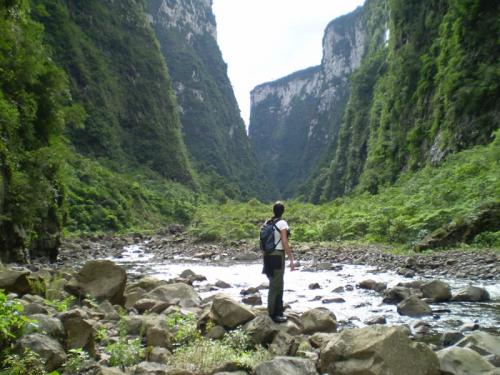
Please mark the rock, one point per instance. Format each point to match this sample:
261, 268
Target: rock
261, 330
320, 339
35, 308
253, 300
314, 286
318, 320
158, 355
12, 281
191, 276
157, 336
101, 280
79, 330
470, 326
372, 285
481, 342
250, 290
283, 344
286, 366
339, 289
47, 325
145, 304
463, 361
247, 256
377, 350
436, 290
132, 296
216, 333
231, 373
151, 368
333, 300
376, 320
396, 295
101, 370
451, 338
222, 284
471, 294
148, 283
178, 293
46, 347
109, 311
413, 306
229, 313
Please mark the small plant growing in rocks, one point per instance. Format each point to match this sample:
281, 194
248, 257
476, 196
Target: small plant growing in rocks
27, 363
76, 361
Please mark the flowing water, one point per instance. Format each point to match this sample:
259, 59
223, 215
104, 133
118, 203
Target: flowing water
359, 306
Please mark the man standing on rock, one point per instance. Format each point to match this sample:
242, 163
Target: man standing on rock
274, 264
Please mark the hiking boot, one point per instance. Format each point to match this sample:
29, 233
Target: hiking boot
279, 319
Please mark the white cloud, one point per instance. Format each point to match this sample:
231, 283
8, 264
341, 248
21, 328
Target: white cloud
263, 40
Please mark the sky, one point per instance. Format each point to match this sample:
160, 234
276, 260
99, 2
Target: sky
263, 40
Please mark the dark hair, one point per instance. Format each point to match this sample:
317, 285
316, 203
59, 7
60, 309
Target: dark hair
278, 209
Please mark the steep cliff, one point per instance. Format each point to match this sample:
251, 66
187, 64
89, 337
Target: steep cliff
295, 120
211, 124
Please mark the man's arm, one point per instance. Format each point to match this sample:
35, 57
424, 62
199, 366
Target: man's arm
286, 247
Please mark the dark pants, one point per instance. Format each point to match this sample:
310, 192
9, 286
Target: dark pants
274, 268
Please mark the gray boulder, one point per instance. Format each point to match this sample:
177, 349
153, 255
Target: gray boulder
151, 368
261, 330
284, 345
413, 306
372, 285
463, 361
396, 294
377, 350
471, 294
159, 355
47, 325
12, 281
178, 293
102, 370
318, 320
286, 366
228, 313
437, 290
481, 342
79, 330
46, 347
101, 280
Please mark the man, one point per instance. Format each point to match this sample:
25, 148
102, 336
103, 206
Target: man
274, 264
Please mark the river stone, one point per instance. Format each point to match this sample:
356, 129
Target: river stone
101, 280
79, 330
109, 371
463, 361
286, 366
159, 355
320, 339
191, 276
377, 350
151, 368
372, 285
46, 347
132, 295
178, 293
319, 319
148, 283
157, 336
109, 311
252, 300
261, 330
12, 281
396, 295
229, 313
216, 333
283, 344
451, 338
481, 342
222, 284
47, 325
413, 306
437, 290
471, 294
145, 304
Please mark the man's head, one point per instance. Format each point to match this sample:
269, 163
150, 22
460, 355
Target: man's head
278, 209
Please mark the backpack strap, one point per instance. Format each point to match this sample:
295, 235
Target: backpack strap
274, 222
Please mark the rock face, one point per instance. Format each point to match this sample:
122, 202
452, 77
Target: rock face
213, 130
377, 350
463, 361
286, 366
47, 348
99, 279
229, 313
14, 281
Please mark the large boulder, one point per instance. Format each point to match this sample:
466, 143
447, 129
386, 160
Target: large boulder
482, 343
79, 330
175, 294
286, 366
377, 350
46, 347
471, 294
261, 330
413, 306
47, 325
283, 345
101, 280
372, 285
319, 319
228, 313
12, 281
463, 361
396, 294
437, 290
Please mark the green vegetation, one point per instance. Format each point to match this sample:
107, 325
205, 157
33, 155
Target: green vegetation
12, 320
27, 363
402, 214
126, 351
76, 360
197, 353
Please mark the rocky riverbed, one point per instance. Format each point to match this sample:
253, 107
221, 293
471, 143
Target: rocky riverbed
318, 338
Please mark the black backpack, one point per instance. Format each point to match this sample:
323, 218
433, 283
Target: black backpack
267, 236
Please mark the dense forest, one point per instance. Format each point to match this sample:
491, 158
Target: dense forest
118, 117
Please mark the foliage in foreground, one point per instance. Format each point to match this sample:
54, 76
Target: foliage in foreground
403, 213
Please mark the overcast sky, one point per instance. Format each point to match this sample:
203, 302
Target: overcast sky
263, 40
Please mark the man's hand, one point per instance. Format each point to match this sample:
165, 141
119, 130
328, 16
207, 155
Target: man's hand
292, 265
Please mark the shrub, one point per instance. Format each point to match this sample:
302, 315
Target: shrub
29, 363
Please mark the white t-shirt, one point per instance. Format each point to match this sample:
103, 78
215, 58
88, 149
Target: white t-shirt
282, 224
